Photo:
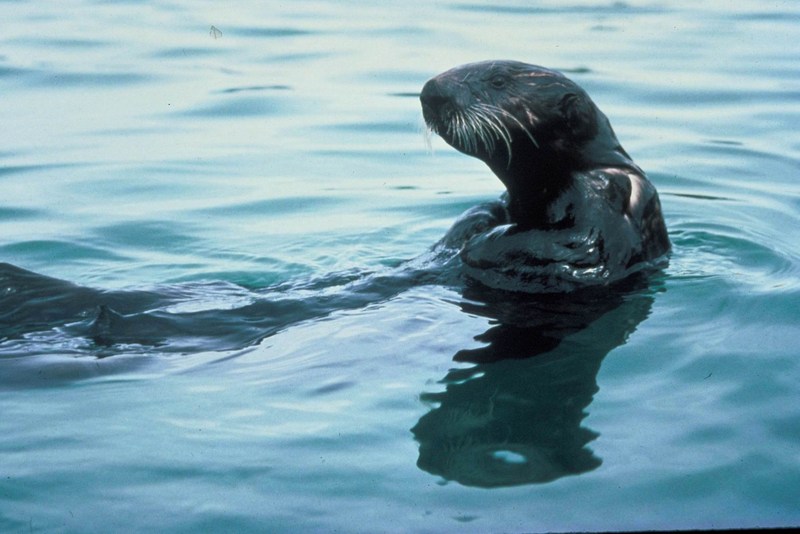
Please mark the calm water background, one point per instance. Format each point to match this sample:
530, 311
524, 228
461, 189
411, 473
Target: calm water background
141, 152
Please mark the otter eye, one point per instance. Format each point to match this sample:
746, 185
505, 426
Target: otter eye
498, 82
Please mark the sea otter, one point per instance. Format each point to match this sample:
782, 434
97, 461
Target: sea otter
578, 211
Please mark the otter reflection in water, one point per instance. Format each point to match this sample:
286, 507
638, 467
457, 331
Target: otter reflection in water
577, 214
517, 419
578, 218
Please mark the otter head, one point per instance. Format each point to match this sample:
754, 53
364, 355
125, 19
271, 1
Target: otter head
533, 126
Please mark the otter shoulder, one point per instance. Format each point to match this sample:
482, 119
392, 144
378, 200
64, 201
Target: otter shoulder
630, 193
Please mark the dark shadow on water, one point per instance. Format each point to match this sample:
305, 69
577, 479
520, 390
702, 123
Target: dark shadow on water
43, 315
515, 417
32, 305
53, 331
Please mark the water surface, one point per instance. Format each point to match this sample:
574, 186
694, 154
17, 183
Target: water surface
244, 183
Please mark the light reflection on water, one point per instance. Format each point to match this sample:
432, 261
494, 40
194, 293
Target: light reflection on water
138, 151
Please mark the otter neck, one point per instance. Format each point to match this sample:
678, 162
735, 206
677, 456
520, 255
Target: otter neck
534, 181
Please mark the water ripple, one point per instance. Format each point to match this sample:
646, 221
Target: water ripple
730, 254
238, 106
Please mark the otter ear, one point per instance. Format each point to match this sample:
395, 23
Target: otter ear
578, 111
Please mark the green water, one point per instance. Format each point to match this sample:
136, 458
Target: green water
143, 155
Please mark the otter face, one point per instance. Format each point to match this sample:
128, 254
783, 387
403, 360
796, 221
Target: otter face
494, 109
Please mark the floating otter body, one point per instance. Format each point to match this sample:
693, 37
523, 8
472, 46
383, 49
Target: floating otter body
578, 211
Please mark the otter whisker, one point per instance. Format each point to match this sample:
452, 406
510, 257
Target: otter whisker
504, 134
454, 128
483, 126
451, 126
475, 131
487, 139
427, 134
470, 140
498, 127
497, 134
483, 130
481, 133
467, 131
511, 117
462, 135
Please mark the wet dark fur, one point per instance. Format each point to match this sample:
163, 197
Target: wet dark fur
578, 211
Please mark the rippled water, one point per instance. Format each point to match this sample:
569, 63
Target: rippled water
241, 200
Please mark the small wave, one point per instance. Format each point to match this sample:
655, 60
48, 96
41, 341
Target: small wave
740, 256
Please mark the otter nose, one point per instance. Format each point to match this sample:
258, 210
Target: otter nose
440, 98
441, 94
434, 95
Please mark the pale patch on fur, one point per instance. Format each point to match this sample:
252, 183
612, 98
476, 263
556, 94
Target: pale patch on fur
532, 117
540, 73
637, 190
